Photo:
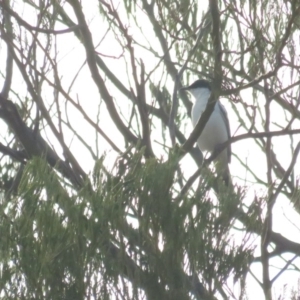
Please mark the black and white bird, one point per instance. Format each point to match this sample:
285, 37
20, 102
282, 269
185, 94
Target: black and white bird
217, 129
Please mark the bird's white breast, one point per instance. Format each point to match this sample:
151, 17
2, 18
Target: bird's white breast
215, 131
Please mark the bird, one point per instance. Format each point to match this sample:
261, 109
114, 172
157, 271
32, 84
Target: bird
217, 128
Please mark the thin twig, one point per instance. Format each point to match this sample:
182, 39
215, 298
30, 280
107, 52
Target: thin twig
203, 31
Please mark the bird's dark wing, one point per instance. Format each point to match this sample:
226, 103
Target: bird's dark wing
226, 121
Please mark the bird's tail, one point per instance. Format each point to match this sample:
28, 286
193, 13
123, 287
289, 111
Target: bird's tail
227, 176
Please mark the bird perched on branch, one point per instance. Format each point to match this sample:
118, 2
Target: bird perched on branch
216, 130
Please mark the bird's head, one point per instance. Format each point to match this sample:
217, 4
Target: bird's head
199, 86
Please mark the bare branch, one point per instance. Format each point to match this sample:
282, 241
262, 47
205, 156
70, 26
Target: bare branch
92, 63
33, 28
